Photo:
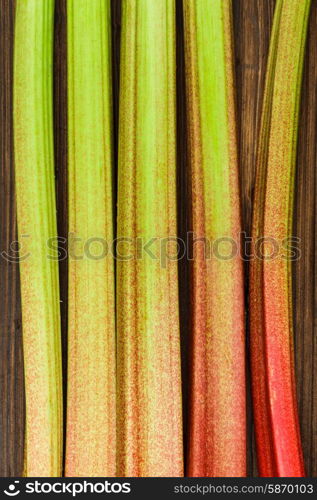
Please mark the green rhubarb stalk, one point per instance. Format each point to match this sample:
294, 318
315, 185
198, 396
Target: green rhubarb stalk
90, 439
36, 215
149, 411
217, 417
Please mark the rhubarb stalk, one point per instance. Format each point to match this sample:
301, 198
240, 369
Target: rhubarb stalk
149, 385
217, 421
272, 358
91, 414
36, 214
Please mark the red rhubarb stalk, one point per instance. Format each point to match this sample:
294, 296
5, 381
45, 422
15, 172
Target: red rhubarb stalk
272, 358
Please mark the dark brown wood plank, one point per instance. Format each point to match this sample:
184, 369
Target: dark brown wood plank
116, 37
183, 218
304, 268
11, 358
252, 29
60, 152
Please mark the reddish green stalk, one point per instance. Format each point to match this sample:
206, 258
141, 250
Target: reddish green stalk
149, 385
217, 423
91, 423
272, 358
36, 214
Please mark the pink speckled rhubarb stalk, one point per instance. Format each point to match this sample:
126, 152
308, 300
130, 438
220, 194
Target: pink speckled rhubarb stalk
91, 413
217, 422
36, 214
149, 415
272, 359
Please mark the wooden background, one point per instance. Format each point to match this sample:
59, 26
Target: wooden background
252, 25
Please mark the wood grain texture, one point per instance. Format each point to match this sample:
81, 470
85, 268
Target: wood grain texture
60, 152
11, 362
183, 193
116, 9
304, 285
252, 25
252, 28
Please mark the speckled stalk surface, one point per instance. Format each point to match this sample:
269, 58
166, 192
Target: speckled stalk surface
148, 378
36, 214
272, 358
265, 454
91, 414
217, 420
